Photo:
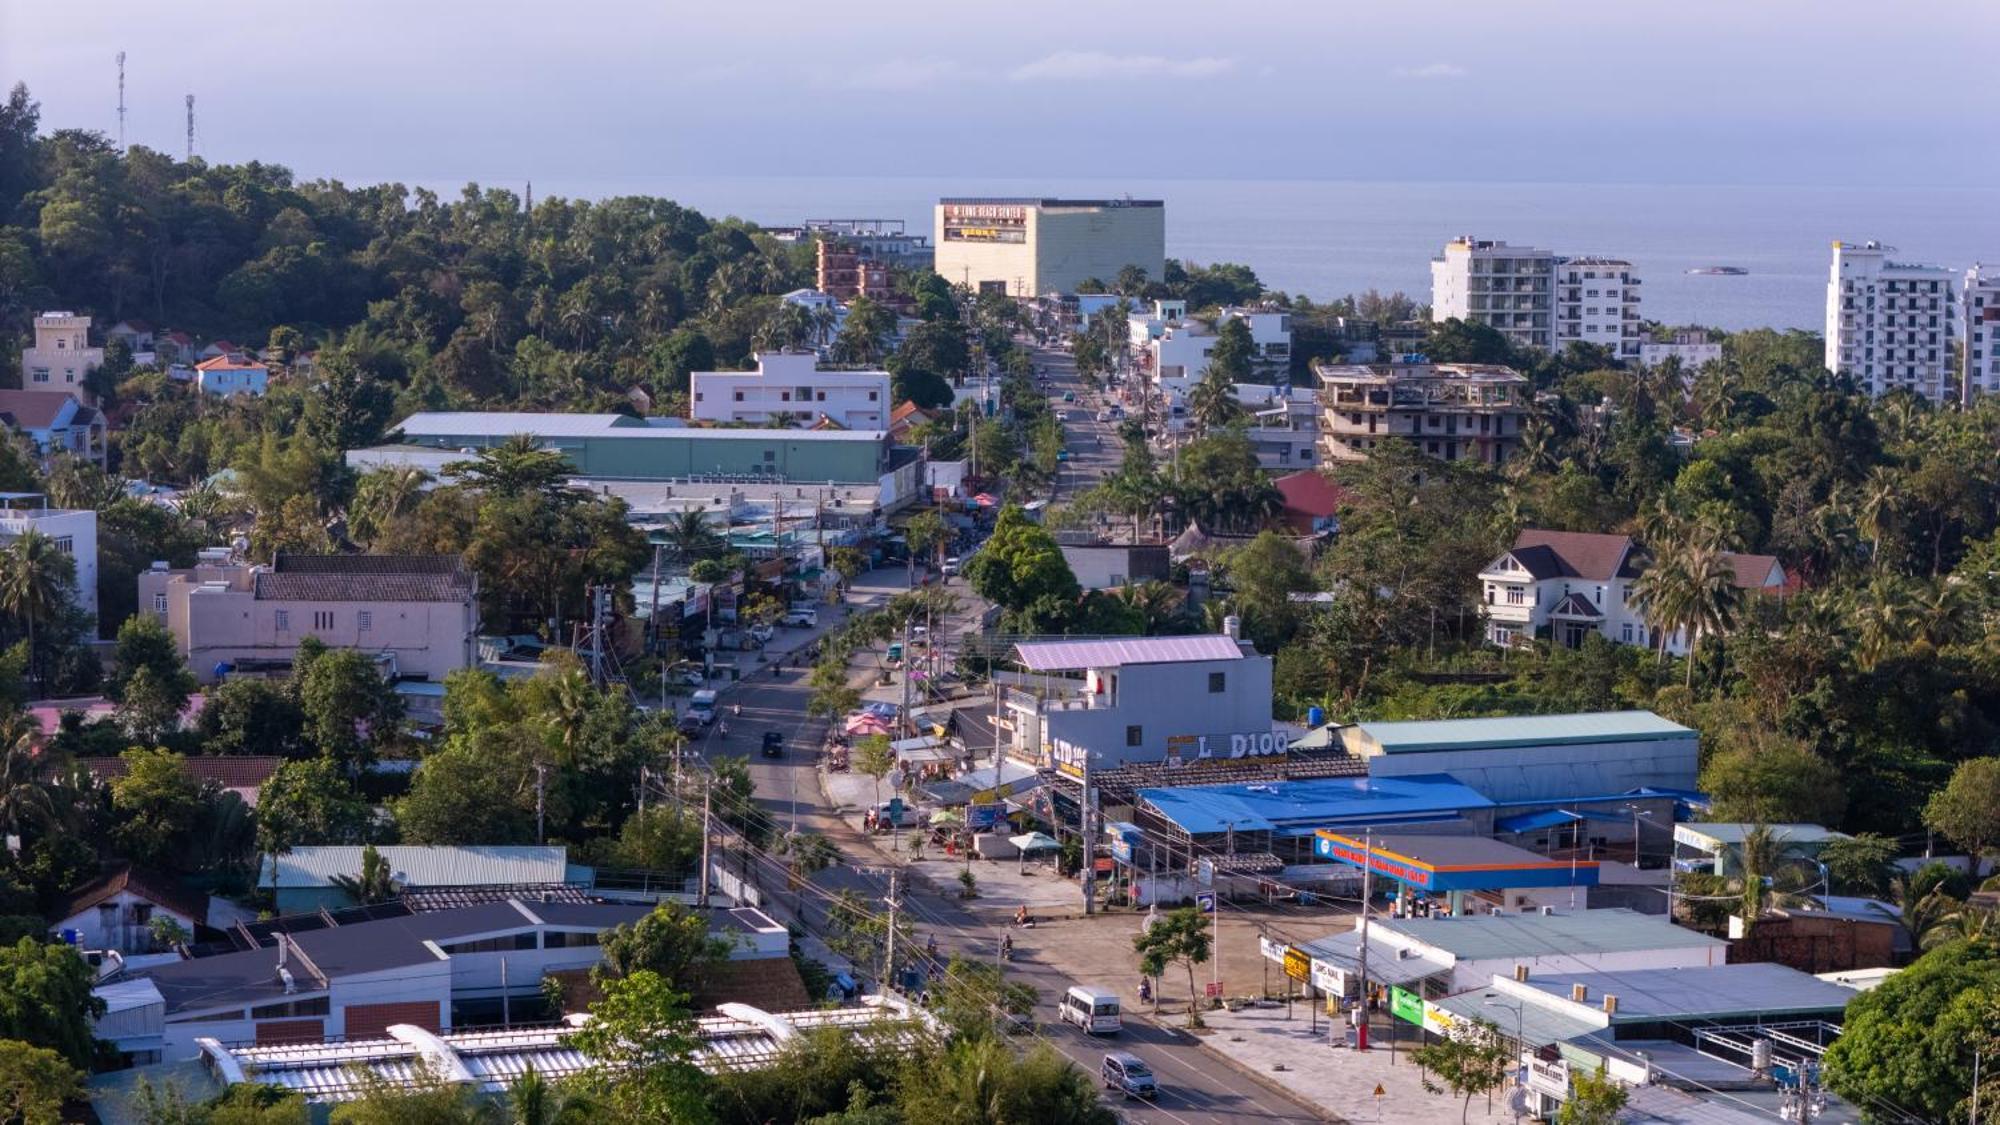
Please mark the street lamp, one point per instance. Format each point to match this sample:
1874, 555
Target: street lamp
1491, 1000
1637, 812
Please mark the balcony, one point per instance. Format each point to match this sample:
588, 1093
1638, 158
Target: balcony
1042, 699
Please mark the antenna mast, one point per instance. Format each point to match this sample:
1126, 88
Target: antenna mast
190, 105
121, 101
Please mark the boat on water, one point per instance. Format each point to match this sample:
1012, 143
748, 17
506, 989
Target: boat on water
1719, 271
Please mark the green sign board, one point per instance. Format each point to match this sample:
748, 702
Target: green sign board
1407, 1006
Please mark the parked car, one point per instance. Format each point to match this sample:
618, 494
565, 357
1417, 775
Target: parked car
774, 744
761, 633
951, 565
800, 618
1128, 1074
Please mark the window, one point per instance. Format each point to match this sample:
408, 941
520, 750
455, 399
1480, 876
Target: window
1135, 735
159, 603
1626, 632
770, 456
283, 620
322, 619
739, 396
315, 1006
872, 395
1516, 596
41, 374
215, 1017
364, 620
1218, 682
559, 939
65, 544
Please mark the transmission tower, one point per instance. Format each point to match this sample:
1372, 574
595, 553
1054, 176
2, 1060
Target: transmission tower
190, 105
121, 101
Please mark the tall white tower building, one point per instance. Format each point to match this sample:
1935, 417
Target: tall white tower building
1597, 302
1508, 288
1980, 301
1890, 324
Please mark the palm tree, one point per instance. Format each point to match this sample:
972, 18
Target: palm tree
1157, 604
374, 884
1881, 496
689, 536
783, 419
532, 1100
1768, 871
1212, 402
383, 496
806, 854
1885, 618
25, 801
1689, 590
35, 581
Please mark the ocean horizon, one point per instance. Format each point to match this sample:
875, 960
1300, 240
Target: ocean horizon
1327, 238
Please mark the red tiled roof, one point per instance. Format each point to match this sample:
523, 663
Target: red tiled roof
1580, 554
908, 408
1752, 571
152, 886
1309, 491
230, 771
231, 361
33, 410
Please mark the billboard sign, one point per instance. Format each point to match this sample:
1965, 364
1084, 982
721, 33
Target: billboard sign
1298, 966
1406, 1005
1206, 900
1551, 1078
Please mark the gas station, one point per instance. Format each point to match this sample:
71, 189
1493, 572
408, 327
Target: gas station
1453, 866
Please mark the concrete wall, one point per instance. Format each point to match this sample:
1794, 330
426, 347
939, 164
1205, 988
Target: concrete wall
119, 927
1099, 568
1554, 773
1074, 244
1166, 701
429, 982
79, 528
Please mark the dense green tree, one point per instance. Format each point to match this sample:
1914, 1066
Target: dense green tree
36, 580
309, 803
35, 1084
672, 942
1471, 1060
1262, 577
1181, 937
46, 999
1022, 570
159, 806
1908, 1043
641, 1035
251, 716
1233, 358
1967, 809
349, 709
476, 790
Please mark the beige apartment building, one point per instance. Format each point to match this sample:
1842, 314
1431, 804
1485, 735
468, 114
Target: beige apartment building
62, 356
417, 614
1034, 247
1451, 411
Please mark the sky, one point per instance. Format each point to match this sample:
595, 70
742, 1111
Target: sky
591, 96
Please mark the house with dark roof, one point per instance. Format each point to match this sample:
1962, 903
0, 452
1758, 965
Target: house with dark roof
117, 909
418, 615
56, 423
1567, 585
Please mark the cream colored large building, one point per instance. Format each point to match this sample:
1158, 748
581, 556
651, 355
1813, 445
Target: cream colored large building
61, 357
1026, 247
1450, 411
418, 614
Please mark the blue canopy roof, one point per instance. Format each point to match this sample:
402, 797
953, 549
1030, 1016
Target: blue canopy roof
1317, 803
1529, 822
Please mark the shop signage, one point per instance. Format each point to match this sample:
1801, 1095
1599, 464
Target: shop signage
1437, 1021
1406, 1005
1551, 1078
1297, 965
1328, 978
1272, 950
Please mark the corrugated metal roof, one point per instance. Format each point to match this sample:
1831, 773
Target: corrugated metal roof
1729, 835
1721, 992
1385, 966
542, 424
1056, 656
1520, 730
1485, 937
426, 866
1266, 806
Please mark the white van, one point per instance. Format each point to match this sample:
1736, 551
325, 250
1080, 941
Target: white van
1092, 1009
702, 706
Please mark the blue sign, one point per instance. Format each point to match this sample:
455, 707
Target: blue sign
1206, 901
981, 817
1121, 850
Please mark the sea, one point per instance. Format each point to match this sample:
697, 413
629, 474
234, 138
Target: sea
1328, 238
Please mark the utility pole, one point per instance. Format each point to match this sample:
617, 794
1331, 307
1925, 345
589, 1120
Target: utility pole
1367, 887
903, 720
653, 622
506, 1009
190, 112
893, 902
541, 787
701, 892
121, 102
1974, 1118
1084, 819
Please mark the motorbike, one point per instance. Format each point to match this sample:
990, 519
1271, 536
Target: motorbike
1007, 949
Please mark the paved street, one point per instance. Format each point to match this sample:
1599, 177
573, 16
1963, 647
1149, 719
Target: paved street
1197, 1087
1094, 449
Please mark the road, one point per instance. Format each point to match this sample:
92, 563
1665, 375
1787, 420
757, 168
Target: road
1196, 1086
1094, 448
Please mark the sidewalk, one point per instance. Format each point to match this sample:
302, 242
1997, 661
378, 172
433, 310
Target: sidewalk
1288, 1053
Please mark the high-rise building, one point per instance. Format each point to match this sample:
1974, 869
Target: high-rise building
1597, 302
1980, 302
1453, 412
1507, 288
1890, 324
1034, 247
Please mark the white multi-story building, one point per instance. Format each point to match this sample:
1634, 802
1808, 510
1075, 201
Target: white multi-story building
1575, 583
1284, 425
1140, 699
62, 356
1980, 302
1508, 288
1270, 338
1597, 302
73, 531
792, 383
1889, 324
1693, 349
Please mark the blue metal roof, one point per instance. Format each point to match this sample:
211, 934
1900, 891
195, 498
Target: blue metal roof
1529, 822
1316, 803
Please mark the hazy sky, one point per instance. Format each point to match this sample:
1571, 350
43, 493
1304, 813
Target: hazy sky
586, 96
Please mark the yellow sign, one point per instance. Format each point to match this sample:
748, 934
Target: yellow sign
1298, 966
